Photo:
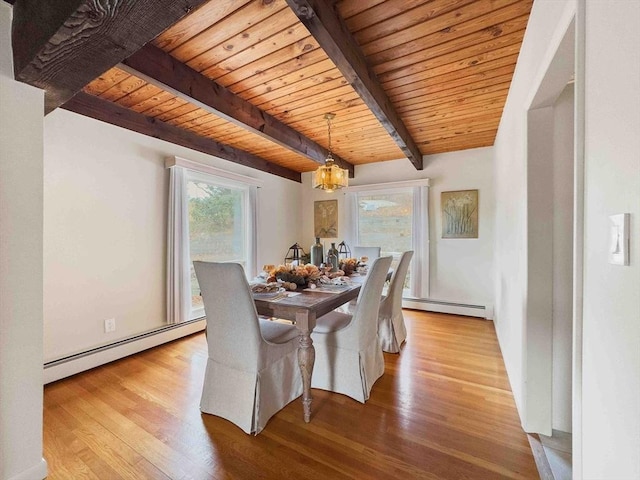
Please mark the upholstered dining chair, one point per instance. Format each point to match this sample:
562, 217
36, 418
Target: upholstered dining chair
391, 328
371, 252
252, 370
348, 355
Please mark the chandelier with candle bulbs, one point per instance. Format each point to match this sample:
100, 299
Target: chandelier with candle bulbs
330, 177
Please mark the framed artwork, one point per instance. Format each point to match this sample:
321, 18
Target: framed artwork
325, 218
459, 214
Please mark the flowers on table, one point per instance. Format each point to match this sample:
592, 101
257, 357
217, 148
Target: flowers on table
349, 265
298, 275
293, 277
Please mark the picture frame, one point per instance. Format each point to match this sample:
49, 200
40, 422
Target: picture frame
459, 210
325, 218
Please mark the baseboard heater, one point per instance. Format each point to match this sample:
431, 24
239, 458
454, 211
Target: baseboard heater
94, 357
482, 311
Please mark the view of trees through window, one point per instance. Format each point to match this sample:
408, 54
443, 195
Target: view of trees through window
386, 220
217, 227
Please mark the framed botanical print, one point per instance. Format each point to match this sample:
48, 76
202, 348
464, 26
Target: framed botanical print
325, 218
459, 214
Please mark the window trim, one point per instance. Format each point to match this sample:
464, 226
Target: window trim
178, 255
422, 182
420, 222
209, 170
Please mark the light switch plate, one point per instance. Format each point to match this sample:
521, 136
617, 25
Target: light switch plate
619, 241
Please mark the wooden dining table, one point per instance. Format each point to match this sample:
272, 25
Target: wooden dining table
303, 310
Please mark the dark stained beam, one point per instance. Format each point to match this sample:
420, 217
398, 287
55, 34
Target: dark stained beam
109, 112
60, 46
161, 69
323, 21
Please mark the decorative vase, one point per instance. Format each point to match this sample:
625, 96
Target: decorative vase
317, 253
332, 257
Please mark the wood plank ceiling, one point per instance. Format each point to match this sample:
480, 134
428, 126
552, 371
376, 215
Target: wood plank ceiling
444, 65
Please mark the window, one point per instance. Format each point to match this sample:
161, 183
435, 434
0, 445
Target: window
211, 218
394, 217
218, 226
385, 220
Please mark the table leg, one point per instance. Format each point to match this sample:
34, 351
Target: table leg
306, 358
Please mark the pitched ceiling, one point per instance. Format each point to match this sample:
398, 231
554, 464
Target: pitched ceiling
247, 79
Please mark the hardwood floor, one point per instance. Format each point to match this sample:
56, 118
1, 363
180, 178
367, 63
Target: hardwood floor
443, 409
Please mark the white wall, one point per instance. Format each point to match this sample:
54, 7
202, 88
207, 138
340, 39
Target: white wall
611, 321
609, 435
105, 200
562, 258
461, 270
547, 24
21, 108
539, 300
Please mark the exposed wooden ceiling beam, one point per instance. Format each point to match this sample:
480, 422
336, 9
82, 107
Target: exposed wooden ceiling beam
162, 70
109, 112
328, 28
61, 46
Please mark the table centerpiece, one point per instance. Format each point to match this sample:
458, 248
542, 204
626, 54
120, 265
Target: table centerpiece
295, 277
350, 265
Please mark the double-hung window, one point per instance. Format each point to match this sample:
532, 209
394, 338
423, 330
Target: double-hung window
394, 217
211, 218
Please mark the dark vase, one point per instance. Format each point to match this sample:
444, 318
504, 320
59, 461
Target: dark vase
317, 253
332, 257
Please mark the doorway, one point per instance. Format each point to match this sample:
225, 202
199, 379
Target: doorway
551, 201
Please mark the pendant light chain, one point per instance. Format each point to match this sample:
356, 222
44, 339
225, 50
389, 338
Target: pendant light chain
329, 132
329, 117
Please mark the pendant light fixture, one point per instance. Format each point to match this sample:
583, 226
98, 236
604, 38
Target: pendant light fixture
330, 177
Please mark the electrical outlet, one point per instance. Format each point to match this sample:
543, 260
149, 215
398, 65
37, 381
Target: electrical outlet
110, 325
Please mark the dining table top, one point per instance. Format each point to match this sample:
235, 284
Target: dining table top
320, 301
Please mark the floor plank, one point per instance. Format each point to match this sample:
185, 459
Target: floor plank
443, 410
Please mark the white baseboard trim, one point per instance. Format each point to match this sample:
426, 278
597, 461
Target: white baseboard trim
481, 311
37, 472
81, 362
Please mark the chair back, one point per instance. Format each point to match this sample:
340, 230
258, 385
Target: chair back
233, 328
365, 314
392, 303
371, 252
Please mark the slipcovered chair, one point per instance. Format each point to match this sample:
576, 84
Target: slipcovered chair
371, 252
252, 370
348, 355
391, 329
